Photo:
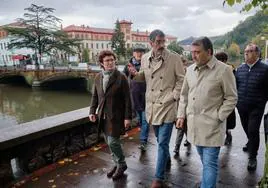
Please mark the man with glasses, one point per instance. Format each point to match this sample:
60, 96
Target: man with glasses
207, 98
252, 87
111, 105
163, 72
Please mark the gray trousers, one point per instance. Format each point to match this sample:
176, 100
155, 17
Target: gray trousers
115, 147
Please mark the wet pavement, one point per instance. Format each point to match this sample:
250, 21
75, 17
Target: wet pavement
87, 169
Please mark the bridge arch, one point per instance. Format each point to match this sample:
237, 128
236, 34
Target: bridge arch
14, 78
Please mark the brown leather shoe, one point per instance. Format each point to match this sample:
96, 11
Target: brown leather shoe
157, 184
119, 172
111, 172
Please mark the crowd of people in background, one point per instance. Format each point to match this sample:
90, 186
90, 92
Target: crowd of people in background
157, 88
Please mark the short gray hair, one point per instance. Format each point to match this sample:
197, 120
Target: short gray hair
205, 42
156, 32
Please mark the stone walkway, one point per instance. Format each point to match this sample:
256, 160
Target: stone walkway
88, 168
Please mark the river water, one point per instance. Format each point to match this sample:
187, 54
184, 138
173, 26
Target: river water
20, 103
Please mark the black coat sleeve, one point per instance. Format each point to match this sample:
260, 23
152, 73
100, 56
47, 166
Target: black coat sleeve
127, 99
94, 100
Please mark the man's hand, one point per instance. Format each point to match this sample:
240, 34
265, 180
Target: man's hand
180, 123
92, 117
127, 123
131, 69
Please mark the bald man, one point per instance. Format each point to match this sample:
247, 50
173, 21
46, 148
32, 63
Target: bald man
252, 87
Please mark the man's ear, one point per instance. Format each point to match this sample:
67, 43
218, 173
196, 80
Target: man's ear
210, 52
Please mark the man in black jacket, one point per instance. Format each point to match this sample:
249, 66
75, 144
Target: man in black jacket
138, 90
252, 87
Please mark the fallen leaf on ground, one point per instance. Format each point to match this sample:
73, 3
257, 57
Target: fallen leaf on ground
61, 162
35, 179
71, 174
95, 171
96, 148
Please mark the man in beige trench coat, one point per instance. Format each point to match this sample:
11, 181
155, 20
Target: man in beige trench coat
208, 96
163, 72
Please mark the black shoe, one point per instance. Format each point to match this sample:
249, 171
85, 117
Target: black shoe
245, 148
252, 164
143, 147
186, 143
176, 153
111, 172
168, 165
228, 139
119, 172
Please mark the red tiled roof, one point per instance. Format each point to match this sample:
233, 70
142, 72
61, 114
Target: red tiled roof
125, 22
74, 28
14, 24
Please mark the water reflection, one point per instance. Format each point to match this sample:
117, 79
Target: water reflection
19, 103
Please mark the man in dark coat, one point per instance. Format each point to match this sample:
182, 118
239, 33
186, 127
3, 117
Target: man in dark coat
138, 90
111, 105
252, 87
231, 120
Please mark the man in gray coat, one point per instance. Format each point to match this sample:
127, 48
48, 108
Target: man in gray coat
208, 96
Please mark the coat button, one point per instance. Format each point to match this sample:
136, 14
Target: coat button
193, 98
161, 90
161, 77
152, 89
152, 77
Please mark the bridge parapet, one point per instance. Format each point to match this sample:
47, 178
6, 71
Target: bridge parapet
36, 78
41, 142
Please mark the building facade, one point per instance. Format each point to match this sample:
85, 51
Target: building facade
93, 39
11, 57
98, 39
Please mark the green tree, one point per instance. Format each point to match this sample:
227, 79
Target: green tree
118, 42
40, 32
174, 46
243, 33
248, 5
85, 55
260, 40
234, 50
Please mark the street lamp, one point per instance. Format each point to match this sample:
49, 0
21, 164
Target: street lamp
5, 65
266, 49
266, 52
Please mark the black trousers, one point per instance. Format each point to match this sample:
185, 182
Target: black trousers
251, 120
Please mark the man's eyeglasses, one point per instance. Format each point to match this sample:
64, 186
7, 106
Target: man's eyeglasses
249, 51
160, 41
109, 60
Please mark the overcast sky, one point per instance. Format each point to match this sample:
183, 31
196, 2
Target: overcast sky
181, 18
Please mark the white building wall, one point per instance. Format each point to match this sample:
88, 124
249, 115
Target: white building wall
6, 54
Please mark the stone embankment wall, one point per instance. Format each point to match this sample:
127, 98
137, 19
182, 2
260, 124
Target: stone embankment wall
45, 141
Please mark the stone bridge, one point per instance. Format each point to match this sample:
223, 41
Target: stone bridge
37, 78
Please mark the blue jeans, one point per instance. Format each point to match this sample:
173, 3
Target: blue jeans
209, 157
144, 127
163, 134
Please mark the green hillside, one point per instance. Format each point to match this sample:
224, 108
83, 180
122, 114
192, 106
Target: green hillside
244, 32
